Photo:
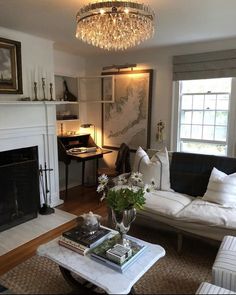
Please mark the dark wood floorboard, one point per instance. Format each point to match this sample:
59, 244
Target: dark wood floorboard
83, 199
80, 200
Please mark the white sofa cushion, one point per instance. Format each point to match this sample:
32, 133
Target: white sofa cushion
221, 188
166, 203
203, 212
155, 169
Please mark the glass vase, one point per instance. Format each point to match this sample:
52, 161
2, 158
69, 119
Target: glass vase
122, 222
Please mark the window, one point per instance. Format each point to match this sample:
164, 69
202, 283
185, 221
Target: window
203, 113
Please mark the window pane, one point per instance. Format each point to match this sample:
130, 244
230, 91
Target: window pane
187, 102
222, 102
186, 117
208, 132
205, 85
220, 133
203, 148
209, 117
198, 102
197, 117
196, 132
204, 114
185, 131
221, 118
210, 102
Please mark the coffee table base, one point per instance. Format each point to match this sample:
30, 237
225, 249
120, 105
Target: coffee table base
85, 287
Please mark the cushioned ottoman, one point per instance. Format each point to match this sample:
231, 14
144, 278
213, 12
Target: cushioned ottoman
207, 288
224, 267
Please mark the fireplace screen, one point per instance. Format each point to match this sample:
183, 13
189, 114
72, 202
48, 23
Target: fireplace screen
19, 186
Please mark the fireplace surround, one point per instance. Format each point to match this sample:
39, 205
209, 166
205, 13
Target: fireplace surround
19, 186
28, 124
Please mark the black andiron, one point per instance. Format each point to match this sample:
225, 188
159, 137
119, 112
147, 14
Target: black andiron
45, 209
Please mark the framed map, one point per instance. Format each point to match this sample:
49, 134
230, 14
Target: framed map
128, 119
10, 66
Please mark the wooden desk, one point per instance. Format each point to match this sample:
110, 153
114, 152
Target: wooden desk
83, 157
76, 140
68, 142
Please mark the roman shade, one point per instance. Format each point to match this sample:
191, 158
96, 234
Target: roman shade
217, 64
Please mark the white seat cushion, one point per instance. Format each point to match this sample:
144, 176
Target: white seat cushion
155, 169
221, 188
204, 212
166, 203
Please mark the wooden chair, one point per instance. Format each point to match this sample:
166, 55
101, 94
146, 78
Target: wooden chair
63, 157
122, 164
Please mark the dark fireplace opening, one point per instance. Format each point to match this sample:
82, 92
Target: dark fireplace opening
19, 186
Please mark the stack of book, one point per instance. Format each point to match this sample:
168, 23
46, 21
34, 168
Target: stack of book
76, 240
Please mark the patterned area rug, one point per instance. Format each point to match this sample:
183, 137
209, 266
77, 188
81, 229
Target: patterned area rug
173, 274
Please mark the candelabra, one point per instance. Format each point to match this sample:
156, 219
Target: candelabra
35, 87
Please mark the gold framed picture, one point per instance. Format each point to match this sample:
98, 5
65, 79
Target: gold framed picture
128, 119
10, 67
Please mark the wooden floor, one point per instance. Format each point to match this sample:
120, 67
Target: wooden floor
80, 200
83, 199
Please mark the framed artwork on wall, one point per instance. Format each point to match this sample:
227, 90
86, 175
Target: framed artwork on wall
10, 67
128, 119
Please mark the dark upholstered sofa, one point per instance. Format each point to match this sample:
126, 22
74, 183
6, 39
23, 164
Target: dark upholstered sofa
190, 173
189, 176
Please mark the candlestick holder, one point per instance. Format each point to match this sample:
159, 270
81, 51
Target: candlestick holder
43, 87
35, 92
51, 91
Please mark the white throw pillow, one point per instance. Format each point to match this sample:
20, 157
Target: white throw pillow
156, 168
221, 188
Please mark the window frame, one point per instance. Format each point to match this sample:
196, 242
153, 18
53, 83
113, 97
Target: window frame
176, 116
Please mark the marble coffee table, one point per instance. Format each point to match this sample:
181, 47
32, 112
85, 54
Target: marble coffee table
111, 281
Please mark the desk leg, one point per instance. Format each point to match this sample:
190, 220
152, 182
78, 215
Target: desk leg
96, 171
83, 169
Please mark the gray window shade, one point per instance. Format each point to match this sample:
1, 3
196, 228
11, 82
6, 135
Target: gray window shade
217, 64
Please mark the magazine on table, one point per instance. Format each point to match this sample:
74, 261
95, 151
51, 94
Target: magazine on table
77, 235
102, 253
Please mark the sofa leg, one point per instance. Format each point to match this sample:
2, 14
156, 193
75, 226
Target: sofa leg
180, 242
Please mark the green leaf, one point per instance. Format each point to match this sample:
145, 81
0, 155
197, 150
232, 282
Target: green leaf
125, 198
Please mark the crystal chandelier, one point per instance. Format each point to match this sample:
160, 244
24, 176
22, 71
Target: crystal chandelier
115, 25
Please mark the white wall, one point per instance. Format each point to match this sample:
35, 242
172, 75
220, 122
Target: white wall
24, 125
72, 66
37, 62
159, 59
39, 58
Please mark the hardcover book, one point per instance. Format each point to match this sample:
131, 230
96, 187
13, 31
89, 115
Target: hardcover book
89, 240
99, 253
73, 245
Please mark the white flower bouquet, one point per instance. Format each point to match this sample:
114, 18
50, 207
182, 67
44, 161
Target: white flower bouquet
127, 194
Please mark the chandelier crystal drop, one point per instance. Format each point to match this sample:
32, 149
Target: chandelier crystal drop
115, 25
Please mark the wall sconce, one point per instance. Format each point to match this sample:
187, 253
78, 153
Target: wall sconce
120, 67
88, 125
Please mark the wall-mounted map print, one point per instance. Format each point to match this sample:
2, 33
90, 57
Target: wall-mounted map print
128, 118
10, 66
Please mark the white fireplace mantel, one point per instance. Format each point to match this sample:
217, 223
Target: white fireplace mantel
25, 124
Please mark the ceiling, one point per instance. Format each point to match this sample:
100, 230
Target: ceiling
178, 21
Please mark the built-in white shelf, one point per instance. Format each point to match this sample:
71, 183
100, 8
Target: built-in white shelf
54, 102
71, 120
